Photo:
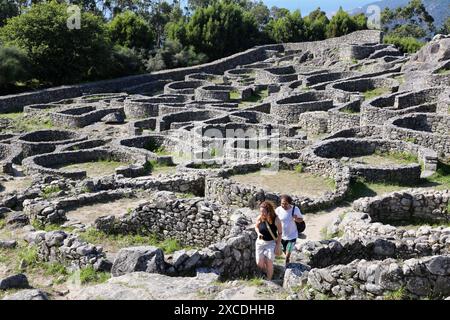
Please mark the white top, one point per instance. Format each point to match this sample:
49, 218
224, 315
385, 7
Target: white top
288, 225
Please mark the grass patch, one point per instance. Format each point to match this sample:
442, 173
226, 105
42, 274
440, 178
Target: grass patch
24, 123
360, 188
155, 167
369, 94
50, 190
235, 95
121, 241
2, 223
379, 158
89, 275
299, 168
399, 294
255, 98
441, 176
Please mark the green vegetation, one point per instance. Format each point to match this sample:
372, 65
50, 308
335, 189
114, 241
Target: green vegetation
89, 275
50, 190
360, 188
399, 294
13, 66
2, 223
235, 95
121, 241
444, 71
299, 168
23, 123
369, 94
405, 26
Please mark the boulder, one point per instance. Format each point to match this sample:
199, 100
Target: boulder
17, 219
138, 259
27, 294
18, 281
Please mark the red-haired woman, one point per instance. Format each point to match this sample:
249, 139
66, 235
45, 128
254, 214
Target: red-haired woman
268, 244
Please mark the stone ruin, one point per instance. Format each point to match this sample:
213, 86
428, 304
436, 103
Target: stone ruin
177, 138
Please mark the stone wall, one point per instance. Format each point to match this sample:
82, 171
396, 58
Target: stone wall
15, 103
403, 206
361, 279
68, 249
193, 222
428, 130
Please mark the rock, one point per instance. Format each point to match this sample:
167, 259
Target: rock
18, 281
55, 238
429, 56
35, 237
439, 265
146, 286
384, 248
17, 219
137, 259
4, 211
295, 275
114, 118
28, 294
8, 244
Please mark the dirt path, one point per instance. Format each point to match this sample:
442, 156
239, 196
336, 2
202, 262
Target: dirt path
315, 222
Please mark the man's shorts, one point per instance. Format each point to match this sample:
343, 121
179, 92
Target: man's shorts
288, 245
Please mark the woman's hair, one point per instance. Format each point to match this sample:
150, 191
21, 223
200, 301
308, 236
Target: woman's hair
269, 207
286, 197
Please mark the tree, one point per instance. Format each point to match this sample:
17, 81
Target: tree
174, 55
288, 28
341, 24
413, 20
132, 31
13, 66
59, 54
220, 29
446, 27
8, 9
316, 25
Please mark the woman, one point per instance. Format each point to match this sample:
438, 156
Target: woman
268, 244
288, 216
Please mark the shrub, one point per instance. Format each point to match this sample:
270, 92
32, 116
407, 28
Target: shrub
13, 66
59, 54
130, 30
404, 44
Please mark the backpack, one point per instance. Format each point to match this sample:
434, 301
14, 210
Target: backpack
301, 226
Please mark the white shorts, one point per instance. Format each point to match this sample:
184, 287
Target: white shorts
265, 248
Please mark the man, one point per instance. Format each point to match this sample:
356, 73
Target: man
288, 216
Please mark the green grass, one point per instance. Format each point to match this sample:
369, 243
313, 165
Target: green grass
155, 167
235, 95
50, 190
2, 223
121, 241
49, 227
441, 176
89, 275
24, 123
299, 168
369, 94
399, 294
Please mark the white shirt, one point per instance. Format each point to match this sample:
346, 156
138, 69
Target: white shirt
288, 225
